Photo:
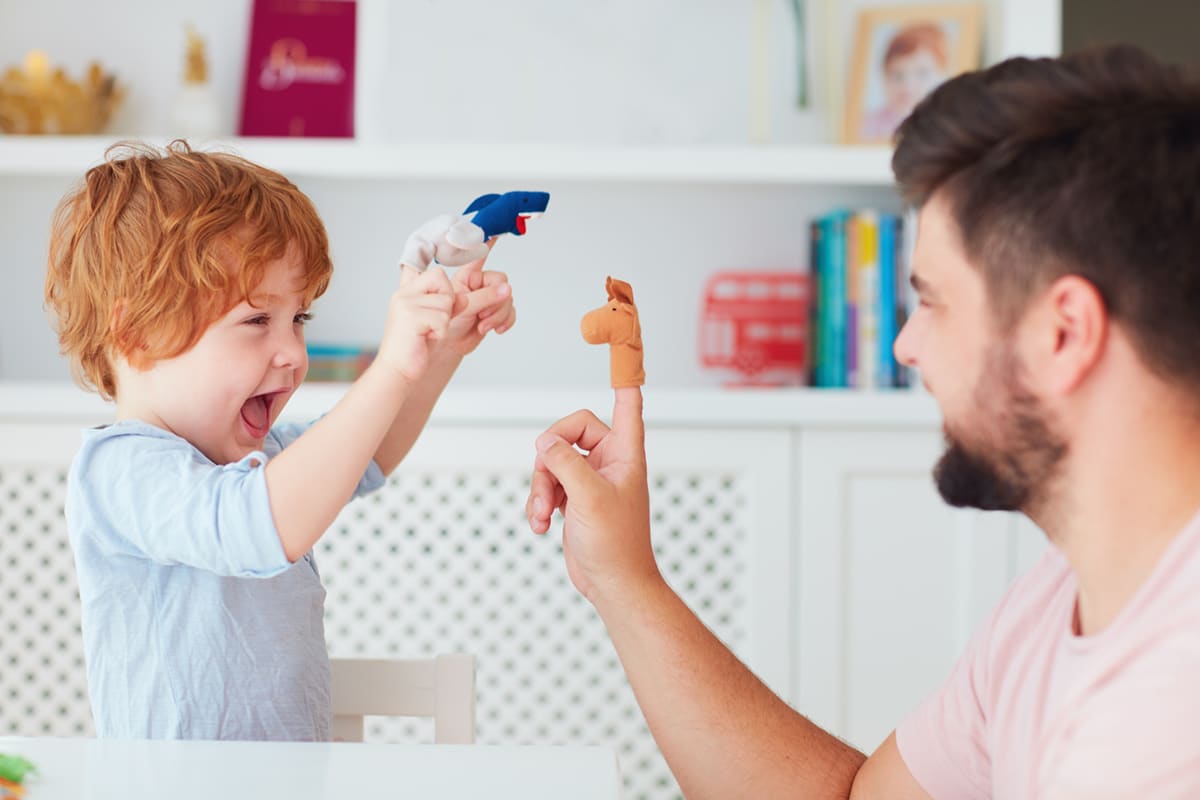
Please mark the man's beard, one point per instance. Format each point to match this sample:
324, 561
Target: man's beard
1016, 473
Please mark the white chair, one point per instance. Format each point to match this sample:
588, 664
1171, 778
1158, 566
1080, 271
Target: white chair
442, 687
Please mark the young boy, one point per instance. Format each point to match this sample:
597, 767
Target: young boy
181, 282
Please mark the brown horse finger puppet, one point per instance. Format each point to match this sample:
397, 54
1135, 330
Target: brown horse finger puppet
616, 323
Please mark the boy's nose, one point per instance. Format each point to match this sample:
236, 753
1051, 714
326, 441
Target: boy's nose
290, 352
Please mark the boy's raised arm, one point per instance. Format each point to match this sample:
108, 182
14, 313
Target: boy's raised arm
311, 480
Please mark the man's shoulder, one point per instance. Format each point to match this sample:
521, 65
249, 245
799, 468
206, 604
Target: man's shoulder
1049, 585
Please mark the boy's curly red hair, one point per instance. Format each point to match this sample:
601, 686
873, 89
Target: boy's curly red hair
157, 244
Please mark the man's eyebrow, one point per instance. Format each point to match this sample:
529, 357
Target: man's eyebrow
921, 286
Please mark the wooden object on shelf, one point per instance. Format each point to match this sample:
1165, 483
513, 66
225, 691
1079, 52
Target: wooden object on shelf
196, 112
38, 99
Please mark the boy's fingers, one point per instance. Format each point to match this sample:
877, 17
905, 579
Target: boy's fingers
500, 322
435, 281
436, 301
492, 277
471, 275
408, 274
474, 302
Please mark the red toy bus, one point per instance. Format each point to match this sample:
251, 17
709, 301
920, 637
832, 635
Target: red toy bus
756, 323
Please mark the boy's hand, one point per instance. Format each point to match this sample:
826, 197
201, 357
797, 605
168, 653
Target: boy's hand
483, 302
418, 315
603, 497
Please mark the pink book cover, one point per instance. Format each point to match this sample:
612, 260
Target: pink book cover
300, 69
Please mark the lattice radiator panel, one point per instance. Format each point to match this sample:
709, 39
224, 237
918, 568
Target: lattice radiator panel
43, 685
438, 561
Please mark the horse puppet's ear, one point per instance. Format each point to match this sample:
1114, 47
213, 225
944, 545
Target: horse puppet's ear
619, 290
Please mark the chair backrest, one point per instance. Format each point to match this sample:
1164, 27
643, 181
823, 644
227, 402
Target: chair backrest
442, 687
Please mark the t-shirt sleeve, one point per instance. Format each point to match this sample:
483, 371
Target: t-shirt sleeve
944, 741
1135, 736
159, 498
284, 434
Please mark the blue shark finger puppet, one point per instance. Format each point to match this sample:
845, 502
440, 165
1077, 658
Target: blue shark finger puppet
457, 239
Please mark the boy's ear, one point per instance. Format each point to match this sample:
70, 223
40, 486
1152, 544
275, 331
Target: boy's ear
124, 343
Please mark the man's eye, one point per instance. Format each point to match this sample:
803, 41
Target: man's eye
303, 318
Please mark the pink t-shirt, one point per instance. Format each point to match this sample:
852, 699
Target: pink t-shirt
1034, 712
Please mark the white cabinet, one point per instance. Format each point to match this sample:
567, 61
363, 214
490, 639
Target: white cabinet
890, 581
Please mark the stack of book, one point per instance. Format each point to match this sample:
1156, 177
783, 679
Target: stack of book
860, 298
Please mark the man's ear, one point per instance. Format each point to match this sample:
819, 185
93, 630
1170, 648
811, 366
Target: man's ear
1072, 332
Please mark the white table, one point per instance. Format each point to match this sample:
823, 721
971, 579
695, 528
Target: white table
104, 769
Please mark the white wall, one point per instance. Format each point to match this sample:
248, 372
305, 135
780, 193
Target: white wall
619, 71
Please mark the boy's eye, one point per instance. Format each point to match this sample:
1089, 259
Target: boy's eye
302, 318
261, 319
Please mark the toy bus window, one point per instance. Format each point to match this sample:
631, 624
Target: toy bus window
758, 331
791, 291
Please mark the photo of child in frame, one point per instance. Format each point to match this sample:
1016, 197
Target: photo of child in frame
901, 54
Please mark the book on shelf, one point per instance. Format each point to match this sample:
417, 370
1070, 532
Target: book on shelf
860, 270
300, 69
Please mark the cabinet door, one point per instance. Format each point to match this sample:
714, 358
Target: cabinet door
891, 580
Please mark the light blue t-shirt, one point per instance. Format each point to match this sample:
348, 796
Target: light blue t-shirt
195, 625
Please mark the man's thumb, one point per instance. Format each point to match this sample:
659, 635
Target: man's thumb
566, 464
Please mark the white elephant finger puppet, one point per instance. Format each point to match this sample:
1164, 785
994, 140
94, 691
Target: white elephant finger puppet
616, 324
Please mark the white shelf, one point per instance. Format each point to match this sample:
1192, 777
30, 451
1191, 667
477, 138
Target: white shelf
31, 401
335, 158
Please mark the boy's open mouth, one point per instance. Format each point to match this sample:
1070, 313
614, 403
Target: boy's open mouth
256, 413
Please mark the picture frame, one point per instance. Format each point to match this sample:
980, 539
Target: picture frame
901, 53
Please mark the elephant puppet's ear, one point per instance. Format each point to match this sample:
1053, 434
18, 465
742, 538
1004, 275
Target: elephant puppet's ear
620, 290
608, 287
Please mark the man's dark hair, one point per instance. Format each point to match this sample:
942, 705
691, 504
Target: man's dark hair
1088, 164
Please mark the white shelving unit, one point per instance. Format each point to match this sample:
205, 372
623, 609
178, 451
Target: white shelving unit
59, 401
662, 193
814, 165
